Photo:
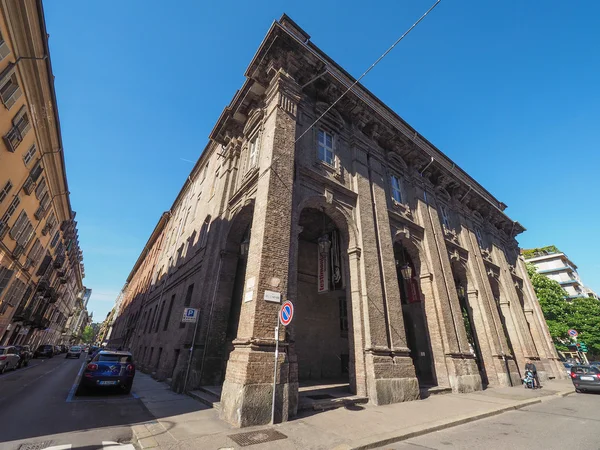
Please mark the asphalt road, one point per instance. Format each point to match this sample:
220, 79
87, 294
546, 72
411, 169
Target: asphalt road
568, 423
39, 403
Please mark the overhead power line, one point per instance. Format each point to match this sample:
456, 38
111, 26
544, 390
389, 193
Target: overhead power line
412, 27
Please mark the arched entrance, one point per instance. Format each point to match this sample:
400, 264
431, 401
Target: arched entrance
415, 322
321, 332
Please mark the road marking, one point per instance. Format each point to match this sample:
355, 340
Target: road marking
74, 387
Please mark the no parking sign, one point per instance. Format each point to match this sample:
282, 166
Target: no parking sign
286, 313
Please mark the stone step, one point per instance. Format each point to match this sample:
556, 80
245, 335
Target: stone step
307, 404
208, 398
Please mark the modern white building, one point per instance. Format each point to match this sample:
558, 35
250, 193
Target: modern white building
557, 266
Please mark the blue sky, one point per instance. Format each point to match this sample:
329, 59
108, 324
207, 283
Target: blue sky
509, 90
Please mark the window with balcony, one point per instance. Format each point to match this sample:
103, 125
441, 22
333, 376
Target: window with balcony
325, 147
10, 91
35, 254
21, 125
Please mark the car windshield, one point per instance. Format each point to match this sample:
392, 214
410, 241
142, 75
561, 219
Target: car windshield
113, 358
2, 351
75, 349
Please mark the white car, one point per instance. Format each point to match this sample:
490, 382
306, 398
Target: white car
74, 352
8, 358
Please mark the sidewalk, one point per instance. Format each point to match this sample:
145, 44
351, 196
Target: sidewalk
184, 423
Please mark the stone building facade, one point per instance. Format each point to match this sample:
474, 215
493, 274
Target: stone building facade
41, 264
404, 271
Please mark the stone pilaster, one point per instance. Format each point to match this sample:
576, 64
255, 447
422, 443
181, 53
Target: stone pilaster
247, 391
389, 369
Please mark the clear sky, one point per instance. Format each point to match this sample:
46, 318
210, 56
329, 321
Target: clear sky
509, 90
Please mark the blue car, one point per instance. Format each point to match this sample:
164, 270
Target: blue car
109, 369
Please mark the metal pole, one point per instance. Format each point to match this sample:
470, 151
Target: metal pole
187, 372
275, 371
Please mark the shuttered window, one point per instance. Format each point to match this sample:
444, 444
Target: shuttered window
11, 210
5, 190
15, 292
29, 154
40, 189
5, 275
22, 230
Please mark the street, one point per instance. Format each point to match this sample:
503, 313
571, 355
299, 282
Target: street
569, 422
38, 403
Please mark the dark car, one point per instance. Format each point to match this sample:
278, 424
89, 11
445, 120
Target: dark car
585, 378
93, 352
109, 369
24, 353
44, 351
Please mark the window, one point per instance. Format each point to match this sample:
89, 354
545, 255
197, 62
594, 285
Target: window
213, 188
21, 126
325, 147
11, 210
203, 239
5, 275
169, 313
479, 237
55, 239
29, 154
14, 293
4, 50
35, 253
188, 295
44, 266
9, 91
5, 190
445, 217
252, 153
162, 310
396, 191
40, 189
22, 230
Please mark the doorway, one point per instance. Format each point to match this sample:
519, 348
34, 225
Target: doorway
415, 320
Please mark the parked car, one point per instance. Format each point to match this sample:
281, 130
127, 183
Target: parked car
9, 359
93, 351
74, 352
568, 368
24, 353
109, 369
585, 378
44, 351
57, 350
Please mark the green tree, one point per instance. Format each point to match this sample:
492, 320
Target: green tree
88, 335
581, 314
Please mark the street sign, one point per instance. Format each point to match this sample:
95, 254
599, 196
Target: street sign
573, 333
190, 315
286, 313
272, 296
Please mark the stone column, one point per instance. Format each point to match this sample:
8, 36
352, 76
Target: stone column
389, 369
462, 368
247, 390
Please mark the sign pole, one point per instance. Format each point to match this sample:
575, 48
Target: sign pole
275, 371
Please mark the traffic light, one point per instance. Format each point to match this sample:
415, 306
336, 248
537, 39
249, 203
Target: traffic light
583, 347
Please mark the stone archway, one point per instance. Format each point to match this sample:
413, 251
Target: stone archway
225, 315
313, 218
408, 269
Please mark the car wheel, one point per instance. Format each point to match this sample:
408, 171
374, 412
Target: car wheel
578, 391
3, 369
26, 363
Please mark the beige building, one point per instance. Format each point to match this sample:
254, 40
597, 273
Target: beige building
41, 267
404, 271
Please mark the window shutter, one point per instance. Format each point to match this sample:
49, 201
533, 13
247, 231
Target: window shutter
40, 190
4, 50
44, 266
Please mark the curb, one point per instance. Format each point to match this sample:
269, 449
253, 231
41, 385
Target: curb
145, 433
367, 443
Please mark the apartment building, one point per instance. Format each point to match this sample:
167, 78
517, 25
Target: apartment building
557, 266
41, 267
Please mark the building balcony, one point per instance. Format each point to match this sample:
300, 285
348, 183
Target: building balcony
556, 270
568, 282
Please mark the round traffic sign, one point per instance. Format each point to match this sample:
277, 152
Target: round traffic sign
573, 333
286, 313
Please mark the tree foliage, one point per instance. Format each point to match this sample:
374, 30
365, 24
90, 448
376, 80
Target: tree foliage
581, 314
88, 335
